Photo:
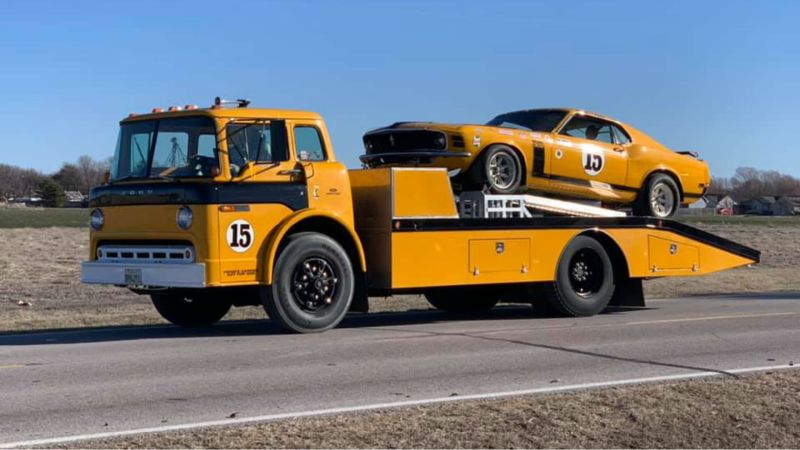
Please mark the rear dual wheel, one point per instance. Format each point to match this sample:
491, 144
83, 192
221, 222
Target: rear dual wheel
584, 281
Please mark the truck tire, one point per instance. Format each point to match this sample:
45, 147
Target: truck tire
501, 170
659, 197
584, 281
312, 284
461, 300
196, 311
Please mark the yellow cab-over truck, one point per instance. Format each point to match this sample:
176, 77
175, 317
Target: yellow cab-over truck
209, 208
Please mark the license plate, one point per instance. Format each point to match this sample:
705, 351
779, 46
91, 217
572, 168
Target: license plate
133, 276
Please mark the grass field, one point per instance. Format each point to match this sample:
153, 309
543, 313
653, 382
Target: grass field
43, 217
756, 411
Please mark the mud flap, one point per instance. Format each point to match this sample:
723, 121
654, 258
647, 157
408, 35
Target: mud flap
628, 292
360, 301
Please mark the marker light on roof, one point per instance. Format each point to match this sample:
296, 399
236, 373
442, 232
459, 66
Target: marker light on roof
157, 110
132, 115
190, 107
174, 108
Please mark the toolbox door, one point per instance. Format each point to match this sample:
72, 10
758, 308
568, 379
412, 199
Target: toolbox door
499, 255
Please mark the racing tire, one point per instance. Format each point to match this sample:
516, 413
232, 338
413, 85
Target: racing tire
195, 311
501, 170
312, 284
659, 197
461, 300
584, 281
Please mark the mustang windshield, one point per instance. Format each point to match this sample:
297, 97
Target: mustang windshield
182, 147
533, 120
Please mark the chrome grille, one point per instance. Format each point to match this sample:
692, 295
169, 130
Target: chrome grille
172, 254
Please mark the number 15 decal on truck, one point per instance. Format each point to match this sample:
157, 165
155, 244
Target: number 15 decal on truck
240, 236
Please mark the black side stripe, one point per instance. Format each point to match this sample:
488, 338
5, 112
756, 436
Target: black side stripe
293, 195
539, 223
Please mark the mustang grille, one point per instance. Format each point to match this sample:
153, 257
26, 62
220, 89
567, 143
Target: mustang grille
403, 140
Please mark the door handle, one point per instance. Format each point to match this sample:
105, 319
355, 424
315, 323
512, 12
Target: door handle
292, 172
619, 149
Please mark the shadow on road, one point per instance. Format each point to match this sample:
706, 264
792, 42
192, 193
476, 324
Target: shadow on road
267, 327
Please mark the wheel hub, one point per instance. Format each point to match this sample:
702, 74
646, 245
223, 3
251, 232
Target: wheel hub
314, 284
586, 273
502, 170
662, 200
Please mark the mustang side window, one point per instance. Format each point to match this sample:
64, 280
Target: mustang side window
588, 128
308, 144
620, 136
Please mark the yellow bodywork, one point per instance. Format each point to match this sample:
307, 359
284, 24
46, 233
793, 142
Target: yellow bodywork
427, 247
400, 226
626, 167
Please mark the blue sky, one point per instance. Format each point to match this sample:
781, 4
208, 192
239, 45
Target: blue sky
722, 78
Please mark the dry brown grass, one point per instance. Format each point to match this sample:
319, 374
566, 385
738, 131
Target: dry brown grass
41, 268
753, 411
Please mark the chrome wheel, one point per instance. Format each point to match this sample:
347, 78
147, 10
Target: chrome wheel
314, 284
662, 200
502, 170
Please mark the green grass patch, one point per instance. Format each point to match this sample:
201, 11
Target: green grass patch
43, 217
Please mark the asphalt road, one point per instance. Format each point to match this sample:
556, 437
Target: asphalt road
104, 380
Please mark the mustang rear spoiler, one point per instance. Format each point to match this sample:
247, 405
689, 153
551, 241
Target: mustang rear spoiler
694, 155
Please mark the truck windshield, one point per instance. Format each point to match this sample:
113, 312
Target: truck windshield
184, 147
532, 120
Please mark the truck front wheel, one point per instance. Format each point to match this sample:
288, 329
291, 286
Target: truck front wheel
312, 284
584, 281
195, 311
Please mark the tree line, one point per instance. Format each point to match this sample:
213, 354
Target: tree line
81, 176
748, 183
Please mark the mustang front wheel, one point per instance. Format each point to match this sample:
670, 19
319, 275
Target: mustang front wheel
502, 170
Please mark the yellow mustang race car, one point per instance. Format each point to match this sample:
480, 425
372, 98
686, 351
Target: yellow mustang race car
562, 152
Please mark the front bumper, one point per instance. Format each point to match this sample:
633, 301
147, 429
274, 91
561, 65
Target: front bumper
149, 275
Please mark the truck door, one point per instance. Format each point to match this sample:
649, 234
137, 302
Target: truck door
586, 151
323, 175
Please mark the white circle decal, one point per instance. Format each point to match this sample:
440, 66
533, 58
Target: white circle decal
593, 161
240, 236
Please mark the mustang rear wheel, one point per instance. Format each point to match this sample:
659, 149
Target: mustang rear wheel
501, 170
659, 197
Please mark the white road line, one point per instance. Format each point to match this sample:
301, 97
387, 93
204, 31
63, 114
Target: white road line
377, 406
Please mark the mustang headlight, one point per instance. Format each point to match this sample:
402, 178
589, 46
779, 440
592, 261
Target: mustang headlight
184, 217
441, 142
97, 219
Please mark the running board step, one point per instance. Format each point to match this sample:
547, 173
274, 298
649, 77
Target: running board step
568, 208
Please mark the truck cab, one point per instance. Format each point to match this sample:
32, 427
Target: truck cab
200, 198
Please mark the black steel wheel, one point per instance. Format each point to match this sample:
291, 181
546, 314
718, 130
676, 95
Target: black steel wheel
660, 197
312, 284
196, 310
584, 281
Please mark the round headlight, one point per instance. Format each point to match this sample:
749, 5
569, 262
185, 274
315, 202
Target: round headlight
441, 142
184, 217
96, 219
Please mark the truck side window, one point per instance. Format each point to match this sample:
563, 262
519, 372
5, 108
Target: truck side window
308, 144
257, 142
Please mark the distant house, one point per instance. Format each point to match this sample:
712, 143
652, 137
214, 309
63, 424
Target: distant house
784, 206
74, 199
761, 206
